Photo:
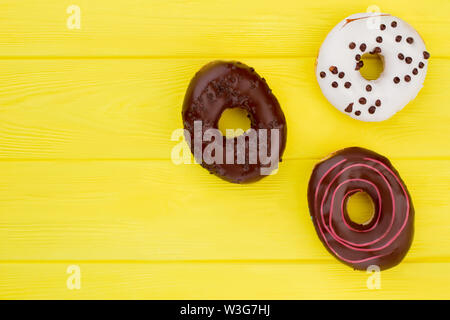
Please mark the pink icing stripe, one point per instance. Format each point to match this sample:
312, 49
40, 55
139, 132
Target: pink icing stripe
403, 189
378, 214
350, 192
344, 242
324, 175
349, 244
341, 257
320, 227
359, 250
345, 220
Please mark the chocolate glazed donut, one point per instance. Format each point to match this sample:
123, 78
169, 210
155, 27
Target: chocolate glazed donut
386, 239
220, 85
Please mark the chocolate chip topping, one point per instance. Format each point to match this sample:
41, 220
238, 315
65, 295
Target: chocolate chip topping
401, 56
415, 71
341, 75
251, 93
359, 65
372, 110
421, 65
361, 167
398, 38
352, 45
394, 24
349, 108
410, 40
396, 79
378, 103
334, 84
407, 78
347, 84
358, 57
379, 39
358, 113
408, 60
382, 27
362, 47
334, 69
368, 88
323, 74
426, 55
362, 100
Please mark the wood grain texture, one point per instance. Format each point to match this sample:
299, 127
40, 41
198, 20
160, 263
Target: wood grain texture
86, 118
128, 109
154, 210
199, 28
240, 280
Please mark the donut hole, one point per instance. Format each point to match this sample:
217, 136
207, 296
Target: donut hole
360, 208
373, 66
233, 122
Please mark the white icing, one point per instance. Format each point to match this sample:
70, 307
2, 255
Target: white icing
335, 51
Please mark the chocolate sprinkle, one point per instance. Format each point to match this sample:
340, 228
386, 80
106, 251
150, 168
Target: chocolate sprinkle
347, 85
421, 65
394, 24
334, 84
334, 69
359, 65
396, 79
426, 55
358, 113
415, 71
408, 60
378, 103
349, 108
368, 88
358, 57
372, 110
398, 38
341, 75
362, 100
383, 27
352, 45
407, 78
409, 40
362, 47
323, 74
401, 56
379, 39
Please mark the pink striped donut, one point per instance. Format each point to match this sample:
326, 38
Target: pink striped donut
387, 237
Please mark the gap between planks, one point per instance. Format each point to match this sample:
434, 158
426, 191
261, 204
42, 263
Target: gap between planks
215, 261
169, 57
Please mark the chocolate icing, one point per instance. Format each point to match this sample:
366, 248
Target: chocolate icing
386, 239
228, 84
347, 21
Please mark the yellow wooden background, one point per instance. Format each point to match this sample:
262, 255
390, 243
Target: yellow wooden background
86, 177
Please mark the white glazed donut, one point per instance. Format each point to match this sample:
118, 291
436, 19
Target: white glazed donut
402, 51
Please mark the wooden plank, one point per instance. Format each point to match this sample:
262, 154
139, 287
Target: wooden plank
154, 210
128, 109
197, 28
243, 280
